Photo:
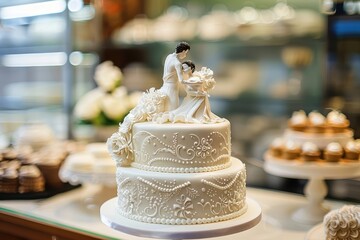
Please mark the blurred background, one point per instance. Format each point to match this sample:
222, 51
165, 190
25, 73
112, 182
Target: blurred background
270, 58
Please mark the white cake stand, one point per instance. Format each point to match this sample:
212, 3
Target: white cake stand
105, 180
111, 218
316, 189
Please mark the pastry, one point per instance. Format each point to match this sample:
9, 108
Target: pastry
291, 150
352, 151
276, 147
310, 152
298, 121
333, 152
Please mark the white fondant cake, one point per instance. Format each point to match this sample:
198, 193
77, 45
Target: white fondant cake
182, 198
181, 147
174, 163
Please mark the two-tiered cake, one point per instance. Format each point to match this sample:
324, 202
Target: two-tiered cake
174, 163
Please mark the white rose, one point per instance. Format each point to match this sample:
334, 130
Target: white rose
113, 107
108, 76
89, 106
119, 147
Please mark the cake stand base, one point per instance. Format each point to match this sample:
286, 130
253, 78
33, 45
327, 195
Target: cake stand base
246, 221
315, 190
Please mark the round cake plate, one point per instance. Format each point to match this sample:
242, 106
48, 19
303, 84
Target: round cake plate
107, 182
315, 189
316, 233
111, 218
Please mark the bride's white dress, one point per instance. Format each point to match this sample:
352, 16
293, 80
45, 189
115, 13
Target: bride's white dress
195, 107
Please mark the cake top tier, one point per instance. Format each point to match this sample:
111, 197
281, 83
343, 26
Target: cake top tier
162, 105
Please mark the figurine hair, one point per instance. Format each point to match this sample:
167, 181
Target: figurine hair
190, 64
182, 46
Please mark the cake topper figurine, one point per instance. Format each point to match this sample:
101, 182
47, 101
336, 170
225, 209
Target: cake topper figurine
162, 105
173, 74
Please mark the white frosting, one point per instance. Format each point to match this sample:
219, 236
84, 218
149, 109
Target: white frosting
353, 146
10, 173
334, 147
29, 171
316, 119
291, 145
343, 223
182, 198
277, 143
336, 118
310, 147
181, 147
298, 118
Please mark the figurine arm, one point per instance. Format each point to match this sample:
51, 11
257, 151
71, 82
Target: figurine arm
178, 69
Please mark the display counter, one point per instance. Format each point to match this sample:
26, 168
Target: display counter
71, 216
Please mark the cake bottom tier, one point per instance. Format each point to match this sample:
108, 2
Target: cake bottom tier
182, 198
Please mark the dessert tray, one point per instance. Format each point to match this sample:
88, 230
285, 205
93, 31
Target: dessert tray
315, 189
111, 218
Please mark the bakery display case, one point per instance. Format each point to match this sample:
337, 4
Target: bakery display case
44, 65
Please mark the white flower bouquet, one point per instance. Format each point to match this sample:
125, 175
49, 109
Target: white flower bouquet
109, 103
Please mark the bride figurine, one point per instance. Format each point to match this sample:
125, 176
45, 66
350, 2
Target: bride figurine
195, 107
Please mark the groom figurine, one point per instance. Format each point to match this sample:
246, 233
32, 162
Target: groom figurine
173, 75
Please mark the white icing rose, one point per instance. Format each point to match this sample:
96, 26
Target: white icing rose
298, 117
335, 117
277, 142
152, 102
207, 76
352, 146
343, 224
334, 147
120, 149
316, 118
88, 107
108, 76
291, 145
309, 147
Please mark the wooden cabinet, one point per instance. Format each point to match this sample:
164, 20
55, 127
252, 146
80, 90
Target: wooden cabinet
16, 227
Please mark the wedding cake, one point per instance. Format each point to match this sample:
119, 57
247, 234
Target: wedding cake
174, 163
